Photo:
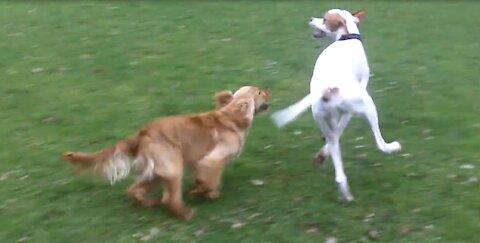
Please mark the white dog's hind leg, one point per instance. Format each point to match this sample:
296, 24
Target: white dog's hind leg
365, 79
370, 112
322, 155
342, 124
333, 146
324, 152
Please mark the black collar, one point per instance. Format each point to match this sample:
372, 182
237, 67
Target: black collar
350, 37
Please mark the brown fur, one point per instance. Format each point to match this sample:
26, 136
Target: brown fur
360, 15
223, 98
161, 150
334, 21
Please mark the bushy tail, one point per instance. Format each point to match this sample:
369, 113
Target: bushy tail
289, 114
113, 163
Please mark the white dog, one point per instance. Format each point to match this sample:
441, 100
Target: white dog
338, 90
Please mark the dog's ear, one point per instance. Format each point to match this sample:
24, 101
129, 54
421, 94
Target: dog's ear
360, 15
244, 106
243, 111
334, 21
222, 98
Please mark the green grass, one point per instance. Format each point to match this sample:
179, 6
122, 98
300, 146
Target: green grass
83, 75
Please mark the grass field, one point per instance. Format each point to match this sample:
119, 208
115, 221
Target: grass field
84, 75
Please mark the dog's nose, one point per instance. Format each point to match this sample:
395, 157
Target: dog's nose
264, 106
311, 19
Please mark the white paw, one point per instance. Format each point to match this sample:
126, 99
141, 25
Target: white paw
393, 147
344, 192
345, 198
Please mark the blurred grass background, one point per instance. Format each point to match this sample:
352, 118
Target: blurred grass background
81, 75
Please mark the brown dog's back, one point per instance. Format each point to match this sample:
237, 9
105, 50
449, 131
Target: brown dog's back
163, 148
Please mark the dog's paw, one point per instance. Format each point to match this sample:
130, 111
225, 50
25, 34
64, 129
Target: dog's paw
213, 195
205, 193
149, 203
393, 147
346, 198
320, 158
182, 212
344, 193
189, 215
197, 192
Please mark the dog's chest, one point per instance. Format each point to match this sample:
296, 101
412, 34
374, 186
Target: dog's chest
237, 144
228, 148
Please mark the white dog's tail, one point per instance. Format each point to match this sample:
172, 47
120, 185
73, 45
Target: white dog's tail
289, 114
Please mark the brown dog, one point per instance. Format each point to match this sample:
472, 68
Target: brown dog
205, 142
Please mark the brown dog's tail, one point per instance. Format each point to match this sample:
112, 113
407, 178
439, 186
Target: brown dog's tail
113, 163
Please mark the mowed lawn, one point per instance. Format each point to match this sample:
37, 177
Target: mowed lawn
80, 76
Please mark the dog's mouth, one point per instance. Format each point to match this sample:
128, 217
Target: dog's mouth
318, 34
262, 107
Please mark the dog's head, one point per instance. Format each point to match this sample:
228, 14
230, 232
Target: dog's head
255, 96
337, 22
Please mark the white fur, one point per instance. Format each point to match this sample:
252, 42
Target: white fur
289, 114
342, 65
146, 165
117, 168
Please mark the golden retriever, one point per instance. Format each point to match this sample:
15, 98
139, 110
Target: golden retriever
161, 150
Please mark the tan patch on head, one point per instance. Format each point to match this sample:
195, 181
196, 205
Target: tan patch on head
334, 21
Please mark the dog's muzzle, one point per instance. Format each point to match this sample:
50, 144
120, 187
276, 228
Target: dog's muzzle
318, 34
263, 107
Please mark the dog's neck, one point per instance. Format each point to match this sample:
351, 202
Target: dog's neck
350, 29
350, 37
241, 118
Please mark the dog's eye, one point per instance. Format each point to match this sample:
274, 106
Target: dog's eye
259, 92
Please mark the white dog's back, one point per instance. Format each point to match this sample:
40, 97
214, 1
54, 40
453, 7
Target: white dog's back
333, 69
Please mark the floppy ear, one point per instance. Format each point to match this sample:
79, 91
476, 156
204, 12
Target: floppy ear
243, 111
360, 15
244, 105
245, 108
222, 98
335, 21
